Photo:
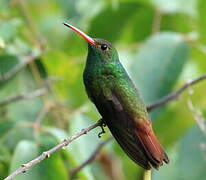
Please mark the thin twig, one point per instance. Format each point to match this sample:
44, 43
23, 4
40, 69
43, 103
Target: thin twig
46, 154
91, 158
17, 68
174, 95
23, 96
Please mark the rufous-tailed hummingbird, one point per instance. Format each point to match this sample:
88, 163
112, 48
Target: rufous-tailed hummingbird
119, 103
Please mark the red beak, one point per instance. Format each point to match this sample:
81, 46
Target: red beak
86, 37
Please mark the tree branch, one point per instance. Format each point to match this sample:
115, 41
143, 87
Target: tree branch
174, 95
164, 100
91, 158
33, 94
46, 154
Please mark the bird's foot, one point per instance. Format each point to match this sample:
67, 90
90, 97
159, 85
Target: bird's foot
102, 125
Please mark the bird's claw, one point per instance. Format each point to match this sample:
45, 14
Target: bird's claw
102, 128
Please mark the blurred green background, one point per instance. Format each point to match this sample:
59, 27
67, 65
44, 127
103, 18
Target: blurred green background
161, 43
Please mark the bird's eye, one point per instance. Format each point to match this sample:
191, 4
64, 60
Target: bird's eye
104, 47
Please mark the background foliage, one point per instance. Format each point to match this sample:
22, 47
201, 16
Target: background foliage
160, 42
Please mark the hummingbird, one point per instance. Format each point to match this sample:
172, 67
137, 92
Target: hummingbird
119, 103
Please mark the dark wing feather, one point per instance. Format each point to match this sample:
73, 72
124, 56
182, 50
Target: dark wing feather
137, 140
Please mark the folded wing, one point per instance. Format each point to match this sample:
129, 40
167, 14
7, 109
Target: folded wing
136, 139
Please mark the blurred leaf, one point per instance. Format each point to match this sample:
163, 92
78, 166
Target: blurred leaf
201, 20
135, 171
82, 148
8, 29
110, 23
156, 72
84, 10
5, 126
20, 47
140, 27
5, 158
187, 158
71, 85
2, 43
24, 152
198, 58
177, 22
69, 7
141, 1
174, 6
58, 133
7, 62
12, 138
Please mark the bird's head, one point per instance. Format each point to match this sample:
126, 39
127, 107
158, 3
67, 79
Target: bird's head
97, 47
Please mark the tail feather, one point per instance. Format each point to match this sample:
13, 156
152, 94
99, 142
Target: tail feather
151, 145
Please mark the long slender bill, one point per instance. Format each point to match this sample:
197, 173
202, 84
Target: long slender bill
86, 37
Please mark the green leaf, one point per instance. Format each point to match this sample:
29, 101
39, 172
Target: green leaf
71, 86
8, 29
175, 6
5, 158
109, 23
159, 62
177, 22
15, 135
82, 148
24, 152
202, 20
2, 43
140, 27
198, 58
134, 171
7, 62
5, 126
187, 158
